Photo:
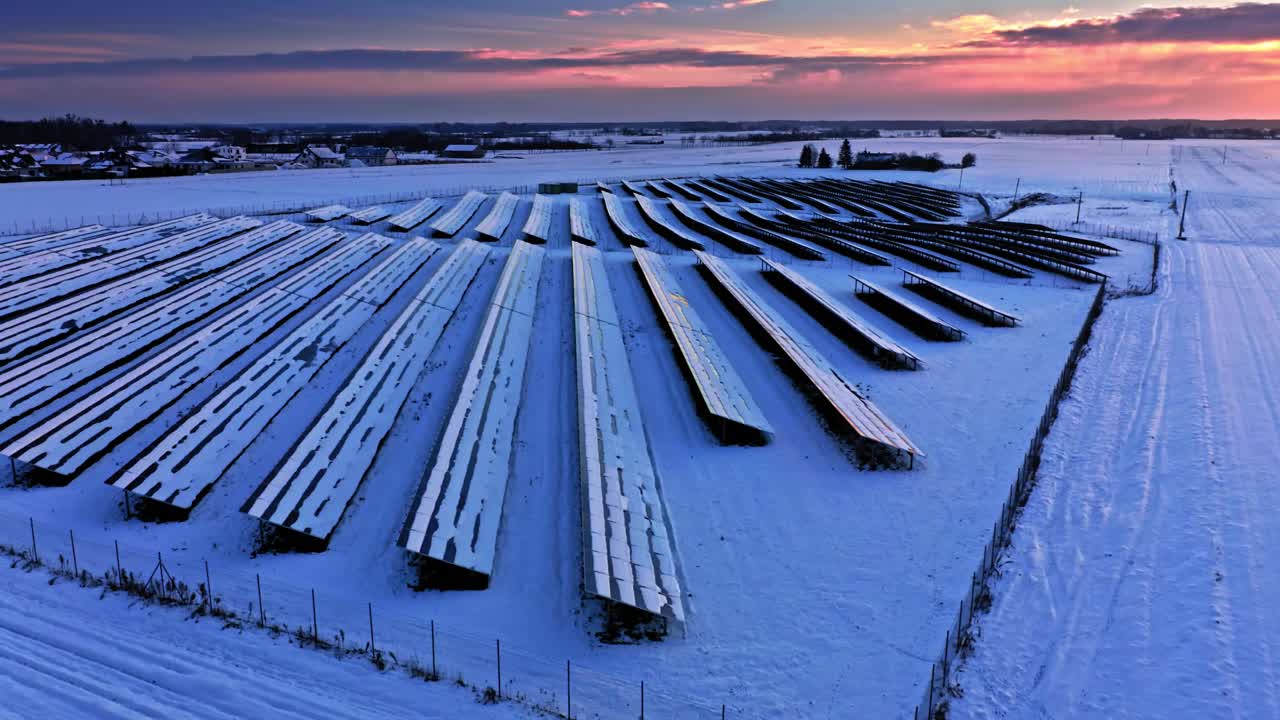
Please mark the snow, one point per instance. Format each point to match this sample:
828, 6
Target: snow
1117, 169
179, 469
460, 510
1141, 582
310, 491
65, 652
812, 589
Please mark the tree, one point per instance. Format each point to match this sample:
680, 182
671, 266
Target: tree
824, 159
845, 159
969, 160
806, 156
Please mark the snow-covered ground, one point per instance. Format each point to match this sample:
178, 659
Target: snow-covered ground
1143, 581
1096, 167
67, 651
815, 589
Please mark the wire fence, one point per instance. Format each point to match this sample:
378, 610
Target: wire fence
336, 623
289, 207
960, 639
1119, 232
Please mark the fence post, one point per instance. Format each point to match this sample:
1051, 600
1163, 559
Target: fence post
35, 554
315, 625
208, 586
119, 569
75, 563
262, 612
373, 647
641, 700
498, 645
568, 687
434, 673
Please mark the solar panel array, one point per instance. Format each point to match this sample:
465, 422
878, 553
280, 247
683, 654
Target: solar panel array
104, 331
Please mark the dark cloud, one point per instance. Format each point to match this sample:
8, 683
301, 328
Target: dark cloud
1244, 23
463, 61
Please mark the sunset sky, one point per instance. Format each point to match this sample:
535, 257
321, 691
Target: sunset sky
389, 60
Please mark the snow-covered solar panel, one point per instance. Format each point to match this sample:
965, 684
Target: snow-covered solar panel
779, 239
838, 393
627, 552
499, 217
328, 212
919, 319
538, 227
656, 189
632, 188
868, 338
618, 221
415, 216
707, 190
448, 224
681, 190
732, 412
370, 215
458, 512
959, 301
309, 491
35, 291
33, 384
580, 226
96, 423
50, 241
784, 223
95, 246
731, 239
728, 186
48, 323
799, 189
677, 235
179, 468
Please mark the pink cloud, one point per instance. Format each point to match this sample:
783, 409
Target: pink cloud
635, 7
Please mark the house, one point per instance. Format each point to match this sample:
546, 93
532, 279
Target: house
41, 151
319, 156
866, 160
463, 151
270, 160
154, 158
414, 158
18, 164
64, 165
206, 160
231, 152
371, 156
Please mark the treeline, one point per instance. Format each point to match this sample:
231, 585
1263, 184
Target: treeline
70, 131
813, 157
1171, 132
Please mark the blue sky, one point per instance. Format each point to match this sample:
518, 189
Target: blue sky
383, 60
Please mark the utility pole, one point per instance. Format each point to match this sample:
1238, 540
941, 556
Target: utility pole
1017, 186
1182, 224
1079, 204
961, 179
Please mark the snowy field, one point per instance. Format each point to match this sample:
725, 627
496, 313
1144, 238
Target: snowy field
65, 652
1142, 582
813, 589
1102, 167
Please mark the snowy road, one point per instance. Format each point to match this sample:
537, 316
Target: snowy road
66, 653
1143, 578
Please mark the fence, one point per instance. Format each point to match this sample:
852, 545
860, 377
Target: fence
283, 207
338, 624
288, 207
1119, 232
959, 639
